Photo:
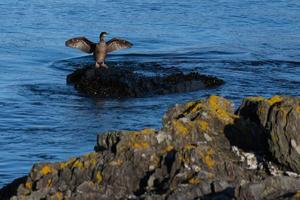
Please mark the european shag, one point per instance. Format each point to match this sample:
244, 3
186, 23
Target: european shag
100, 49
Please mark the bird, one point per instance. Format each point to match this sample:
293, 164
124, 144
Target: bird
99, 49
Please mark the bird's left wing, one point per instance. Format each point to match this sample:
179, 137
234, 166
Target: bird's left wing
116, 44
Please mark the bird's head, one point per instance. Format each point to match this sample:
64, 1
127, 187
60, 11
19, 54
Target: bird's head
102, 35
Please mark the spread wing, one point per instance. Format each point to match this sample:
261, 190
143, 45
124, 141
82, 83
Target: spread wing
81, 43
116, 44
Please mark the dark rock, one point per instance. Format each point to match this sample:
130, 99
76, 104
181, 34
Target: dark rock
190, 157
269, 189
117, 82
279, 122
12, 188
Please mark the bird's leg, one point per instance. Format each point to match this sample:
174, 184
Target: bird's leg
104, 65
97, 65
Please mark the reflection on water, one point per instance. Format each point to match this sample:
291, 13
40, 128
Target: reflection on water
254, 46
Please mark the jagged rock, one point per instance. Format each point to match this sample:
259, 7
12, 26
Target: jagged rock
279, 119
270, 188
117, 82
190, 157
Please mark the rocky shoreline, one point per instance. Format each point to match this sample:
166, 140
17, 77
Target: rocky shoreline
123, 82
204, 150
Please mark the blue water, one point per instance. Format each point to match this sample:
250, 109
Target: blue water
253, 45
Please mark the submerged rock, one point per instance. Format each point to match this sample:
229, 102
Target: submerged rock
190, 157
116, 82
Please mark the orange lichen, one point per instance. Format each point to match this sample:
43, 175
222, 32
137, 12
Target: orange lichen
28, 185
194, 181
180, 127
46, 170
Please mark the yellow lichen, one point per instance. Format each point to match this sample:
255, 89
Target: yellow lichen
78, 164
274, 137
274, 99
168, 148
148, 131
194, 181
203, 125
208, 160
298, 109
220, 111
49, 182
117, 162
270, 101
99, 177
58, 196
140, 145
90, 155
46, 170
93, 161
28, 185
297, 194
255, 99
180, 127
65, 164
197, 106
189, 146
188, 106
210, 175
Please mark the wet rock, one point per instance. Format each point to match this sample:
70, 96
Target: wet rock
190, 157
116, 82
279, 119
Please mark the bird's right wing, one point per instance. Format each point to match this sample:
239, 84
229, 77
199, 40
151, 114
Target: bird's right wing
81, 43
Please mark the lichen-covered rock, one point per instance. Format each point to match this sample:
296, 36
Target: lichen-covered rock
270, 188
279, 118
190, 157
117, 82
